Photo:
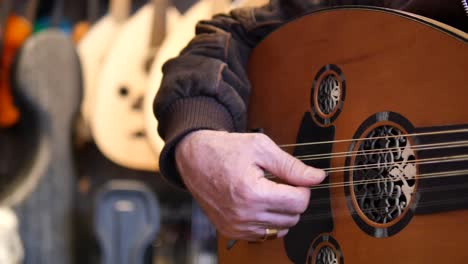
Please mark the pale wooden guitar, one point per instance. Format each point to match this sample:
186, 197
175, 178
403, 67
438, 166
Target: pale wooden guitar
117, 119
93, 49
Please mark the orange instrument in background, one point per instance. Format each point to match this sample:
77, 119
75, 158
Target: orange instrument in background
81, 28
17, 30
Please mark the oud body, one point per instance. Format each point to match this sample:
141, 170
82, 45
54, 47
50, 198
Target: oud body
384, 89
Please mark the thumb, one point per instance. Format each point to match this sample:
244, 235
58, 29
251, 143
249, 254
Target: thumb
288, 168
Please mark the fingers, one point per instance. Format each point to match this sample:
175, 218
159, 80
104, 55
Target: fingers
230, 186
282, 198
249, 222
286, 167
277, 220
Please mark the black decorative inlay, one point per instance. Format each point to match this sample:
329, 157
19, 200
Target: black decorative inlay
318, 218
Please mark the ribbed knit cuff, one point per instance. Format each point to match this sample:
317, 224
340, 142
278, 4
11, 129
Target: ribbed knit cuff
184, 116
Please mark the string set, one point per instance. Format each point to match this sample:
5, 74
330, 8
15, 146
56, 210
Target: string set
433, 146
455, 144
445, 132
384, 165
336, 213
450, 187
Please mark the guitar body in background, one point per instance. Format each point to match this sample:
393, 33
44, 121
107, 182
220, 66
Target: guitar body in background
117, 119
92, 50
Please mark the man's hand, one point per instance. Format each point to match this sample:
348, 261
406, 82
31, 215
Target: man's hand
225, 173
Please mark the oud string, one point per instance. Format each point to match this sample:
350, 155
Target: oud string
454, 131
433, 146
383, 165
450, 187
338, 213
396, 179
370, 181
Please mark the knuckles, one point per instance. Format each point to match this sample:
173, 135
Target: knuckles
300, 202
248, 195
240, 215
260, 141
289, 167
303, 203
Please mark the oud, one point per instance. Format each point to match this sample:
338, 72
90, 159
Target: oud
378, 99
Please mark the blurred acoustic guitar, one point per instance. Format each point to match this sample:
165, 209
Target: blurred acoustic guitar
117, 117
377, 98
93, 49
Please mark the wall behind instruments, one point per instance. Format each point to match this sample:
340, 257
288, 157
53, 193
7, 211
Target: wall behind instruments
106, 147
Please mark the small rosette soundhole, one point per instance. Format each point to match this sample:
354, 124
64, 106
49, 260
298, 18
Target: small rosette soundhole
325, 250
326, 255
329, 94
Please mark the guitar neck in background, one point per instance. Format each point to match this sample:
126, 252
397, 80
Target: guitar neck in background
158, 31
120, 9
92, 14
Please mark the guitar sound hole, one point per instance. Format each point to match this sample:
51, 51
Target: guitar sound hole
382, 168
325, 250
326, 255
123, 91
329, 94
384, 174
139, 134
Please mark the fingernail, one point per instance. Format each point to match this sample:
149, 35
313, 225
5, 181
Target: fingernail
315, 173
323, 172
